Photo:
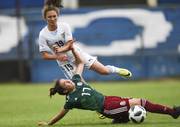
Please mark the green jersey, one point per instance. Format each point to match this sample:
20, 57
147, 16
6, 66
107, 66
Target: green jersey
84, 97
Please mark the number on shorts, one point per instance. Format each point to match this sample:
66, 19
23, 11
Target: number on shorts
68, 67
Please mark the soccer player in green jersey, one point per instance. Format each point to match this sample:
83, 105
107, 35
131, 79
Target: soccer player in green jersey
82, 96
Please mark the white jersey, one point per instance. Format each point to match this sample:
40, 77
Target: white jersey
49, 39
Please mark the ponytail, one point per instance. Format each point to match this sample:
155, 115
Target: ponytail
56, 89
56, 3
52, 91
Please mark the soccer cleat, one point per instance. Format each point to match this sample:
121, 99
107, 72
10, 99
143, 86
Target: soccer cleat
120, 120
124, 73
176, 113
101, 116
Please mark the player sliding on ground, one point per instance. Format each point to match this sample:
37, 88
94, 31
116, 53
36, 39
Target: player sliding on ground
54, 42
81, 96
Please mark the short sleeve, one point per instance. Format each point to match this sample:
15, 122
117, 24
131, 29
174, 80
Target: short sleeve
43, 44
67, 106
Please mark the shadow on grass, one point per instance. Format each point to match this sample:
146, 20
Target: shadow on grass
163, 123
90, 124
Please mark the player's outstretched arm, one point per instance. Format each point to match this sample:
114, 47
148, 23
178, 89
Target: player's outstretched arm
56, 118
79, 61
47, 56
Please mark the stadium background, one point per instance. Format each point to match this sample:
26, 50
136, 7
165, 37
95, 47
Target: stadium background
142, 35
125, 25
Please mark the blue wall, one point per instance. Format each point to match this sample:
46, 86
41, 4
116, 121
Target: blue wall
163, 60
39, 3
142, 67
7, 4
160, 61
168, 1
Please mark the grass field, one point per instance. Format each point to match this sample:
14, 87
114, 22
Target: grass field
23, 105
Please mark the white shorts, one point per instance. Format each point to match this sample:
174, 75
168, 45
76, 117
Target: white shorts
69, 67
89, 60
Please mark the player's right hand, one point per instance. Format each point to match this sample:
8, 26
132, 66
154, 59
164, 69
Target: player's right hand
42, 124
55, 48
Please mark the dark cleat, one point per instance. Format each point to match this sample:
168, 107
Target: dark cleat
118, 121
176, 112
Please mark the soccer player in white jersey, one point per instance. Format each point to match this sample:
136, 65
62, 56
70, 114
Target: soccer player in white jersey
55, 40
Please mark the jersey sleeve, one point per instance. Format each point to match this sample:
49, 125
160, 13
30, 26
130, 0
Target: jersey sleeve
67, 106
68, 33
76, 78
43, 44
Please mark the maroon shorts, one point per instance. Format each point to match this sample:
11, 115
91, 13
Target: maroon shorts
116, 107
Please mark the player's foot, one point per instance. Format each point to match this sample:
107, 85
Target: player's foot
124, 73
177, 112
101, 116
116, 121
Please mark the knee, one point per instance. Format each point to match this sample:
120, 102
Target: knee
100, 68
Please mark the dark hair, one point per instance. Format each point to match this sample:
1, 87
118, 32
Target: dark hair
50, 5
56, 89
56, 3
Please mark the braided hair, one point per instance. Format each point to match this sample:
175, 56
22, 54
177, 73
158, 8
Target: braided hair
56, 89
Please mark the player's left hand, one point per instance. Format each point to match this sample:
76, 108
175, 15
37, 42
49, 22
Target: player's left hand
42, 124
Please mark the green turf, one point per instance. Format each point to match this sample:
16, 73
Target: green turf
23, 105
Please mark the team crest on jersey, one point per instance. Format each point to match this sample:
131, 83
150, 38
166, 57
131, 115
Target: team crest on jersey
79, 84
122, 103
67, 98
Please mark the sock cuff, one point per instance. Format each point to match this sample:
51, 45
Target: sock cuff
112, 69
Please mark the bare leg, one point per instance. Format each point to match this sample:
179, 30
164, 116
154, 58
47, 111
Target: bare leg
108, 69
100, 68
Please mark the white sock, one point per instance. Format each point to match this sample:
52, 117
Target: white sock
112, 69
